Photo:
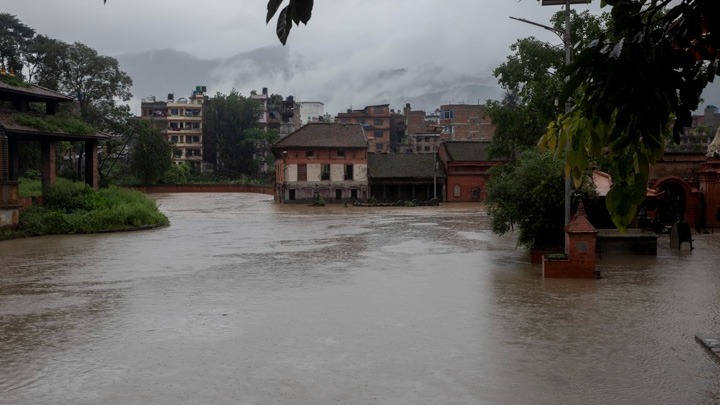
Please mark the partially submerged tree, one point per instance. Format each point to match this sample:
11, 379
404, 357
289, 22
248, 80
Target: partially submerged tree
527, 196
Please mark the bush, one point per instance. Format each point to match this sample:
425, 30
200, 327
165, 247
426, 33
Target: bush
76, 208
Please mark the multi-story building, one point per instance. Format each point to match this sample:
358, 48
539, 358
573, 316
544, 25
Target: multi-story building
321, 160
422, 135
181, 122
375, 119
465, 122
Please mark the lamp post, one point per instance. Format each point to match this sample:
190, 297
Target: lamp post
567, 43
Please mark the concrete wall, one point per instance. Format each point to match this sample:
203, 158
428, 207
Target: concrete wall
206, 188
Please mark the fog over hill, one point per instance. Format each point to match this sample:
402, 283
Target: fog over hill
340, 85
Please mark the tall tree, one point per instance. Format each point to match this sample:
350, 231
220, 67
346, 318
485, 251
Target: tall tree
44, 58
637, 83
225, 142
532, 82
92, 78
14, 36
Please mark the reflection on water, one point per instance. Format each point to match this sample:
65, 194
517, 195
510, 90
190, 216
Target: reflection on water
244, 301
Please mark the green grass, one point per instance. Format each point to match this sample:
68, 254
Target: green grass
54, 123
30, 187
72, 207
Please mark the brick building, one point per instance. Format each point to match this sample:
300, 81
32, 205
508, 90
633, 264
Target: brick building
466, 166
375, 119
465, 122
325, 160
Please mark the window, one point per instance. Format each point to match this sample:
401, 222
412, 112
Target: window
325, 172
174, 139
341, 153
309, 154
427, 149
354, 194
174, 111
195, 125
348, 172
379, 146
338, 194
379, 134
447, 115
378, 110
291, 194
378, 121
302, 172
195, 139
175, 126
456, 191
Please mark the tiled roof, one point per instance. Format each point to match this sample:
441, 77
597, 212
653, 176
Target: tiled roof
466, 151
402, 165
325, 135
34, 93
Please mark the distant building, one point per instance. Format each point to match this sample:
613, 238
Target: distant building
465, 122
422, 135
181, 122
321, 160
311, 111
375, 119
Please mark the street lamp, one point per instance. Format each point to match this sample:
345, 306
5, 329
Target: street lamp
565, 37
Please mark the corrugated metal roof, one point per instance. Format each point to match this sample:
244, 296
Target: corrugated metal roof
325, 135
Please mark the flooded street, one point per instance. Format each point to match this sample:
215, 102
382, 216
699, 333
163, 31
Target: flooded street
242, 301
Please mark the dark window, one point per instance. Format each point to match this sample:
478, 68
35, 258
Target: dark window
379, 134
338, 194
291, 194
309, 154
378, 121
325, 172
353, 194
302, 172
341, 153
348, 172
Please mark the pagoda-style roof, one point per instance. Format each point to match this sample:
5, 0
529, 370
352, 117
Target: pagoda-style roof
31, 93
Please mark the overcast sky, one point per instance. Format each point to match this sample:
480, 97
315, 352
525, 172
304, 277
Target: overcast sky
469, 37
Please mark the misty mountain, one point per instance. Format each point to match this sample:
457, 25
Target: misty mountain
338, 84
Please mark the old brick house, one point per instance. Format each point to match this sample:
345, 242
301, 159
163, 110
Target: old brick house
324, 160
466, 165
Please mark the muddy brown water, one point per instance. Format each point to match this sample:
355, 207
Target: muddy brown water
242, 301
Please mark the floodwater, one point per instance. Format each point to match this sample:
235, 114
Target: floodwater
242, 301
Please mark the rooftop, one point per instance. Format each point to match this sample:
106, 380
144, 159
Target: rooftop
325, 135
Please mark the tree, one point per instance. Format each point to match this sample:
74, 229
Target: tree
528, 195
636, 84
532, 83
151, 153
14, 36
44, 58
225, 142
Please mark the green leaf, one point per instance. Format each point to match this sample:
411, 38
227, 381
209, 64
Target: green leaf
284, 25
272, 8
